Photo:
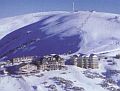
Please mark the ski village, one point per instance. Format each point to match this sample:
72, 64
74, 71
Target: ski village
27, 66
33, 64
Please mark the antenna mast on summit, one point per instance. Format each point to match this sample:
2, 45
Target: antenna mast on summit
73, 5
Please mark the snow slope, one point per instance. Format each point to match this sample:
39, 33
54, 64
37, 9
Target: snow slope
60, 32
10, 24
73, 74
13, 84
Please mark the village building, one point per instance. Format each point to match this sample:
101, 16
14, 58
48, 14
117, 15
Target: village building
19, 60
74, 60
93, 61
41, 63
55, 62
29, 65
50, 62
85, 61
23, 68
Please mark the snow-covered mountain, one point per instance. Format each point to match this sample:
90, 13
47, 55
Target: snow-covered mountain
76, 32
59, 32
62, 32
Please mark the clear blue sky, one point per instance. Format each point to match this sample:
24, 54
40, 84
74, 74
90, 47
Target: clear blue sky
18, 7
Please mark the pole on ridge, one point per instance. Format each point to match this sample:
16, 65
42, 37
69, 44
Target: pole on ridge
73, 5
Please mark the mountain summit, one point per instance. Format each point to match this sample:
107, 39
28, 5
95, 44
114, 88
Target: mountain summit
59, 32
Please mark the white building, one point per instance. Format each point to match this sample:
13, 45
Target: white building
19, 60
86, 61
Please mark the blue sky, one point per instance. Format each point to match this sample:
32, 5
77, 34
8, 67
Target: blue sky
18, 7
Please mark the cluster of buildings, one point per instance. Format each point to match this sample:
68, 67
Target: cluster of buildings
34, 64
85, 61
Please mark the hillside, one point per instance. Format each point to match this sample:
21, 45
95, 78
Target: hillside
59, 32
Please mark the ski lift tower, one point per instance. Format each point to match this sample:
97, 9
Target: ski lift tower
73, 6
